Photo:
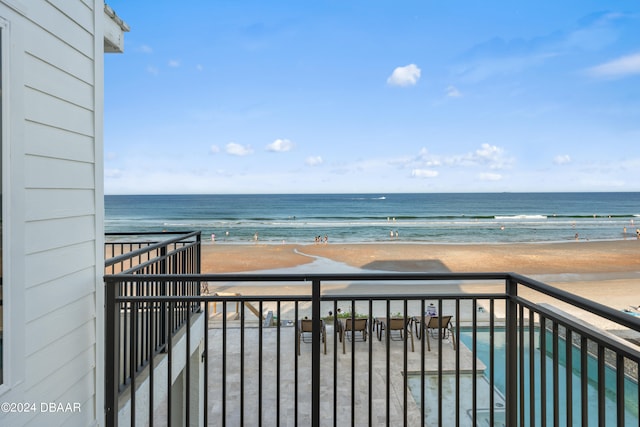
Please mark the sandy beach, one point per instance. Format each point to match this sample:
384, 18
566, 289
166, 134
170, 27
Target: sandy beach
606, 272
585, 258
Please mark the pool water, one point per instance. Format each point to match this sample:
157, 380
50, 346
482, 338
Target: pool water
631, 388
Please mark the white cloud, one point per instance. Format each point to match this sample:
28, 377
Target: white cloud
427, 159
562, 159
490, 155
314, 160
618, 68
152, 70
488, 176
174, 63
238, 149
280, 145
199, 67
214, 149
404, 76
453, 92
424, 173
145, 49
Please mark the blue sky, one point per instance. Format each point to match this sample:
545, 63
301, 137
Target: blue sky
234, 96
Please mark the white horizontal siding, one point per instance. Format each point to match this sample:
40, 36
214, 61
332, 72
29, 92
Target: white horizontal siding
48, 110
61, 26
54, 295
45, 364
42, 44
57, 83
77, 393
54, 320
71, 388
46, 172
56, 264
81, 12
56, 324
43, 204
57, 233
59, 143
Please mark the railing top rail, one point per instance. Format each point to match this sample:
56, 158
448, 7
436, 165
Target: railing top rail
180, 237
580, 302
561, 295
252, 277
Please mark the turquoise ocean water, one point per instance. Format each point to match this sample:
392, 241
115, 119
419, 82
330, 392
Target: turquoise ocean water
355, 218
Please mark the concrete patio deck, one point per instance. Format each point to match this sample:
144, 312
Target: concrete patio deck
357, 360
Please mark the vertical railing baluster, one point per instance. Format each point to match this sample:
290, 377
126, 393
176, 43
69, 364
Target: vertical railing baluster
260, 352
569, 374
457, 339
370, 367
278, 365
620, 388
187, 372
521, 352
420, 324
112, 350
601, 387
205, 356
242, 357
353, 363
511, 382
543, 370
387, 368
315, 356
335, 360
584, 381
169, 349
532, 368
556, 375
132, 361
440, 412
474, 362
151, 365
296, 327
224, 362
405, 387
492, 366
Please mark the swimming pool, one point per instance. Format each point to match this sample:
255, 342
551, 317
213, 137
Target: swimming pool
631, 388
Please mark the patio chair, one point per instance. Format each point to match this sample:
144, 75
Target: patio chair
439, 327
348, 327
398, 324
305, 333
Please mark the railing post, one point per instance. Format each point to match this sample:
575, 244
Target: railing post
315, 354
511, 381
112, 324
198, 251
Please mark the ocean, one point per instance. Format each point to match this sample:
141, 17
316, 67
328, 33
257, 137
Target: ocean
371, 218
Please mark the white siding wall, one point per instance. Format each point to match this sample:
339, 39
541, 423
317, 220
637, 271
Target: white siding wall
55, 304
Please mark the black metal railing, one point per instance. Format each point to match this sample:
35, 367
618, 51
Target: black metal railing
138, 331
508, 359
